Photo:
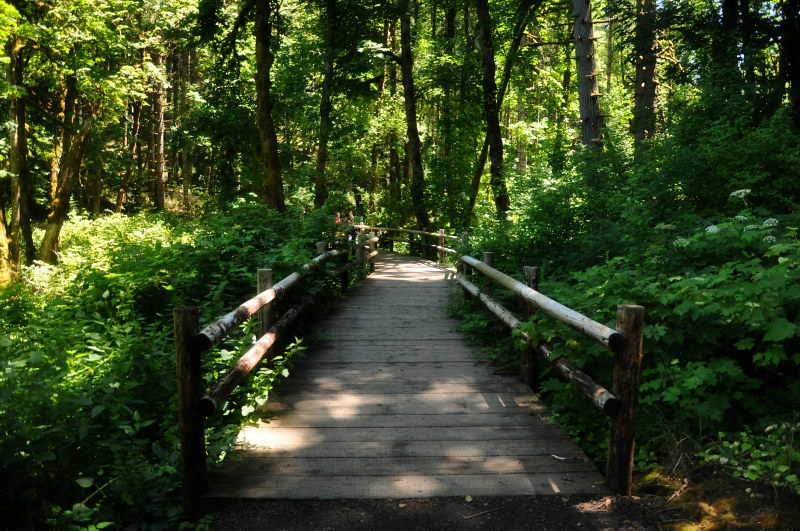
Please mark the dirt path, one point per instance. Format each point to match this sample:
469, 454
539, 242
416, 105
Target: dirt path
541, 513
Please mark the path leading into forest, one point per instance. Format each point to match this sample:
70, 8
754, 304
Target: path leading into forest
390, 402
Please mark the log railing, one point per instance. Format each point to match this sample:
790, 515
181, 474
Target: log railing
194, 403
620, 404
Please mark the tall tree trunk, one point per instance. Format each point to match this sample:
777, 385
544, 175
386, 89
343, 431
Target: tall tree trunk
17, 152
644, 107
790, 53
494, 135
186, 158
272, 189
68, 173
521, 19
320, 187
6, 266
414, 148
588, 92
135, 153
159, 191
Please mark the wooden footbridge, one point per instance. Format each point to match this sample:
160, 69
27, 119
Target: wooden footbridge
389, 402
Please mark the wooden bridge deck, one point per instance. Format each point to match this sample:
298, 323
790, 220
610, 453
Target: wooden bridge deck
391, 403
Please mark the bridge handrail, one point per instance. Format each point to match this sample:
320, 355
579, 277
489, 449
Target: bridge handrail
193, 404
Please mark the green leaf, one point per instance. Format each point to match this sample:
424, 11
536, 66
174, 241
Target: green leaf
780, 329
85, 482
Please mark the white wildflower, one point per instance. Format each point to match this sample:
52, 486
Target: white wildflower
752, 227
680, 243
723, 460
712, 228
769, 239
741, 218
665, 226
771, 222
740, 193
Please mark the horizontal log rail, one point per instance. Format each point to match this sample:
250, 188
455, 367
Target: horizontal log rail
193, 403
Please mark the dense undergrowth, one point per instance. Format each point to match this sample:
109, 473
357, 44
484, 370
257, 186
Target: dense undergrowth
702, 232
88, 421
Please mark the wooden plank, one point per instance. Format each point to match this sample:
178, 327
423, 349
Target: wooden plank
406, 486
379, 466
275, 436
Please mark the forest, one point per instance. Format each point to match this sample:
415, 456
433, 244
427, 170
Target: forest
155, 153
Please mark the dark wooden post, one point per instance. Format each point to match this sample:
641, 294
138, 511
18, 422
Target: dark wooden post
344, 277
265, 313
190, 390
425, 244
372, 248
390, 238
411, 243
360, 253
529, 365
627, 369
321, 248
441, 244
488, 283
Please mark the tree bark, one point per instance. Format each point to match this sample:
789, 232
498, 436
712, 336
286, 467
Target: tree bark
644, 107
491, 109
414, 148
521, 18
790, 53
158, 139
135, 154
20, 214
588, 91
272, 189
67, 175
320, 186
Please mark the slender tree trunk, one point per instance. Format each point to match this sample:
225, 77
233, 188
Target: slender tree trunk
644, 111
186, 158
414, 148
494, 135
159, 191
67, 175
790, 53
135, 154
588, 91
521, 19
6, 266
97, 189
17, 147
272, 189
320, 187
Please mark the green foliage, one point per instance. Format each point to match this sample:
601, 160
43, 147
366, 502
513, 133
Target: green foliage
771, 457
88, 431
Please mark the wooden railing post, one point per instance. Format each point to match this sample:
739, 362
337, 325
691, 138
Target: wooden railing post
441, 244
265, 281
360, 255
529, 369
321, 247
627, 369
488, 283
372, 247
411, 243
425, 243
344, 277
190, 390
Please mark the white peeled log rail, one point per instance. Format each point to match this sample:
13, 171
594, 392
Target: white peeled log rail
222, 327
599, 396
608, 337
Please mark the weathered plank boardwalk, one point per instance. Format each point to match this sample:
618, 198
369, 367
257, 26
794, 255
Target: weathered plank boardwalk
391, 403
